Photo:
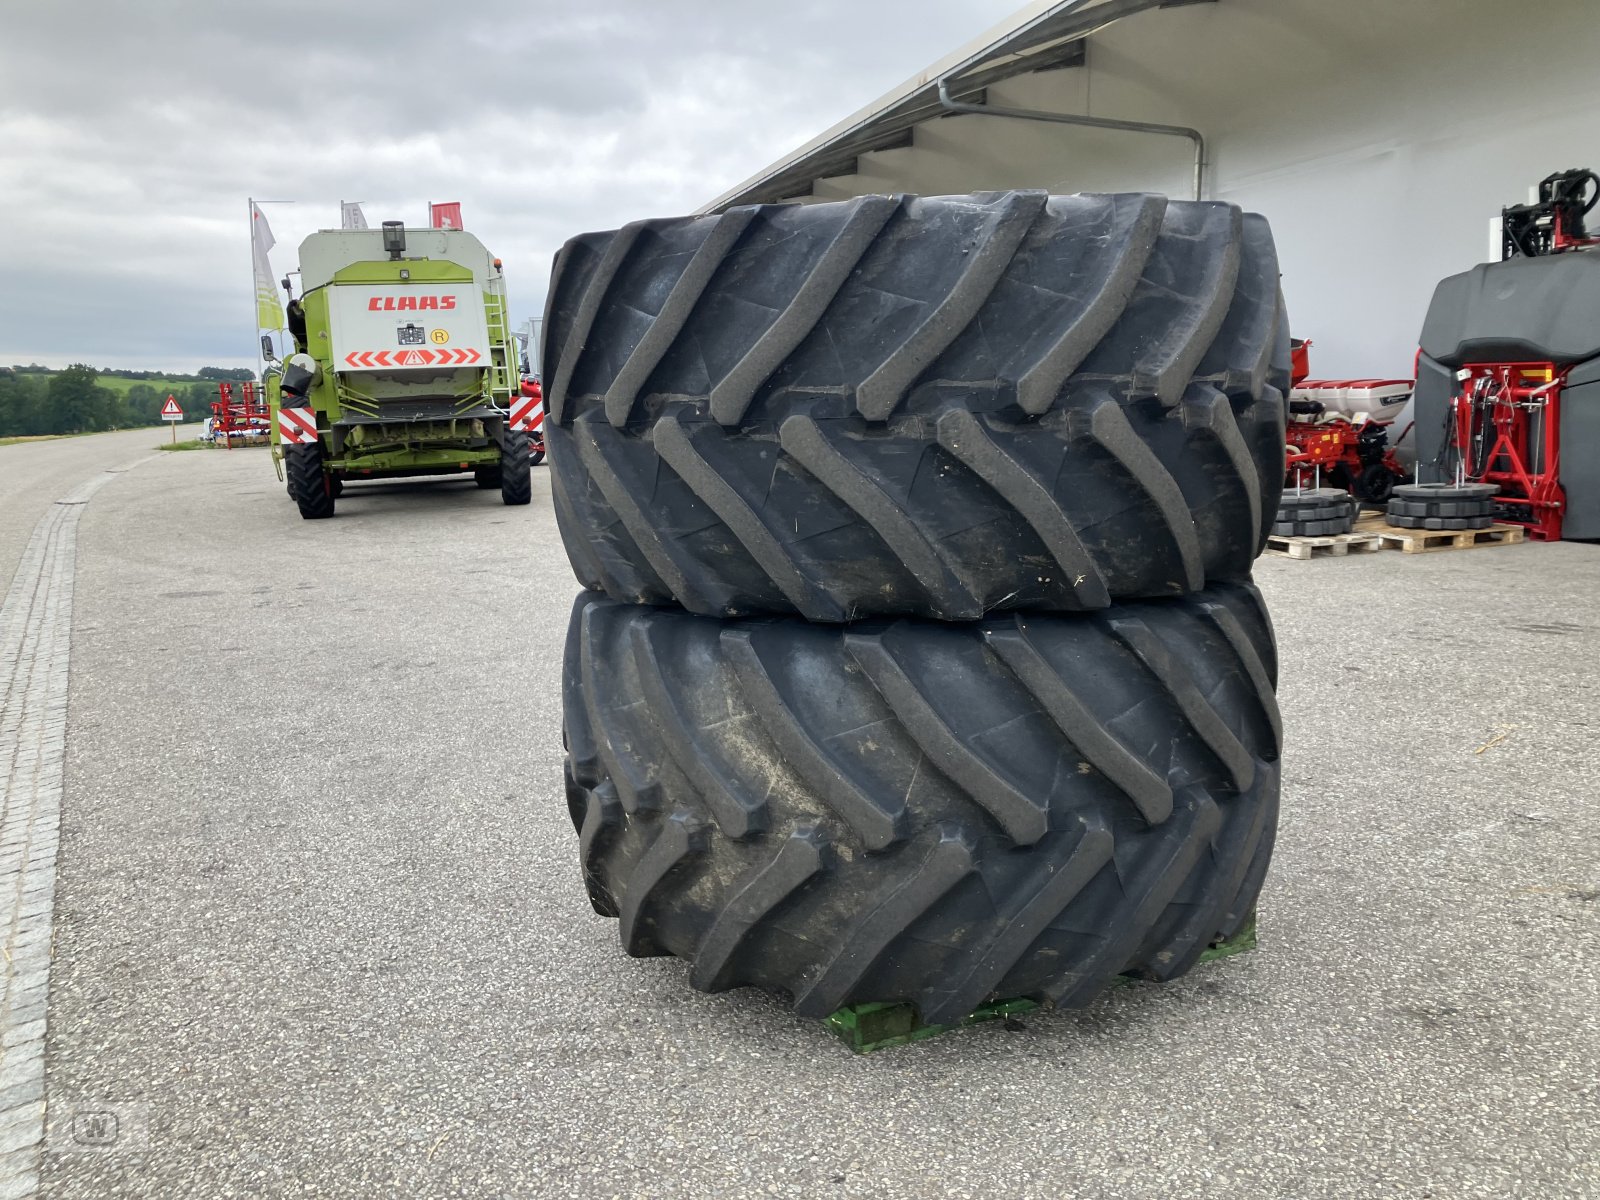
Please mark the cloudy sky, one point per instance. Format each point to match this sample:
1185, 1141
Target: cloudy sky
132, 134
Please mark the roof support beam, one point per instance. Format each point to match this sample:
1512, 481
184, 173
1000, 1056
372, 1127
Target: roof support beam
950, 104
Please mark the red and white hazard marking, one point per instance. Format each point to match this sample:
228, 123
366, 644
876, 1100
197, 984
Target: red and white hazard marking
297, 426
449, 357
527, 412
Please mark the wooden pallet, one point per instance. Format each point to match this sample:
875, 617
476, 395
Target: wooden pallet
1335, 545
1429, 541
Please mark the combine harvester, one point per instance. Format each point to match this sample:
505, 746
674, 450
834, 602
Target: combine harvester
404, 365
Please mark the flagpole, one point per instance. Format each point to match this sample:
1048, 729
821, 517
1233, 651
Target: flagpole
252, 204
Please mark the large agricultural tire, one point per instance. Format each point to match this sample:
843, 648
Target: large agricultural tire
516, 486
487, 478
911, 811
309, 484
929, 407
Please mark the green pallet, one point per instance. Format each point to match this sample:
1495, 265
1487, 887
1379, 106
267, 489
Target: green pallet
868, 1027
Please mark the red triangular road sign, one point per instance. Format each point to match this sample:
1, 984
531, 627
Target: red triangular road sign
170, 408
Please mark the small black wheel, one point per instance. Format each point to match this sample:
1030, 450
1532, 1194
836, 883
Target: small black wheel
515, 485
1376, 483
309, 484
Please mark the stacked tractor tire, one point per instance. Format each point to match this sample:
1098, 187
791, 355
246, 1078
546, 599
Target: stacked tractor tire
1315, 512
1443, 505
919, 659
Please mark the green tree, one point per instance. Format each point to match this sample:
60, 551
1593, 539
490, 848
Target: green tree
77, 403
21, 404
143, 403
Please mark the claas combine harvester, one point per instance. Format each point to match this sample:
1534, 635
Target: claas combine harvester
403, 365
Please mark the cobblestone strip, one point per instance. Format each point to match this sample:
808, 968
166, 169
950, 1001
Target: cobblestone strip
35, 626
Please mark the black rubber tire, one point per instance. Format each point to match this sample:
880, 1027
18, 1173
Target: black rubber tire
535, 457
933, 407
336, 486
1376, 484
905, 810
1312, 498
486, 477
1329, 528
1432, 492
1315, 512
309, 484
1440, 508
1294, 516
1482, 521
1324, 528
516, 487
1446, 491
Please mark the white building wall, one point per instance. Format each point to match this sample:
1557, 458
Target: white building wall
1379, 136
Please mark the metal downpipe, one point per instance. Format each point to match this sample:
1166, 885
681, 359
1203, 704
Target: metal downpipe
950, 104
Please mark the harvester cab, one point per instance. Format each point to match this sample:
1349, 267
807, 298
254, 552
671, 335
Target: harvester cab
404, 365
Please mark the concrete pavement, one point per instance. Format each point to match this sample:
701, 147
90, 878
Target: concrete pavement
33, 475
319, 928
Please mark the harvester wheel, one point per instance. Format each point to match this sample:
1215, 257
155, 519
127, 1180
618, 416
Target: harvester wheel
309, 484
515, 485
926, 406
487, 477
906, 810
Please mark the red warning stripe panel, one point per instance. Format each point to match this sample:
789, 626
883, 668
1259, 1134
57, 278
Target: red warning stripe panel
527, 412
449, 356
297, 426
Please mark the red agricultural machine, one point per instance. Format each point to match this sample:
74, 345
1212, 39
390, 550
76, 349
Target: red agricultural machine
244, 420
1508, 389
1338, 432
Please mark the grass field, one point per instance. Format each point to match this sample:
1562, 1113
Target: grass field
163, 383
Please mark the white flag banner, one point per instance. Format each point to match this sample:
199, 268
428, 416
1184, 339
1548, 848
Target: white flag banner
351, 216
269, 309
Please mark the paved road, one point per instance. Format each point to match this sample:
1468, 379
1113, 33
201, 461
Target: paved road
33, 475
319, 930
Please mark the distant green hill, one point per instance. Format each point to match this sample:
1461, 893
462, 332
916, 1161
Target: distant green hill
162, 383
39, 401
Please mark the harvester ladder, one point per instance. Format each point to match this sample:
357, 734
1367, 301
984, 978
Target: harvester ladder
503, 374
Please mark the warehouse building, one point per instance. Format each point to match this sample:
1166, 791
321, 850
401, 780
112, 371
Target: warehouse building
1381, 139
